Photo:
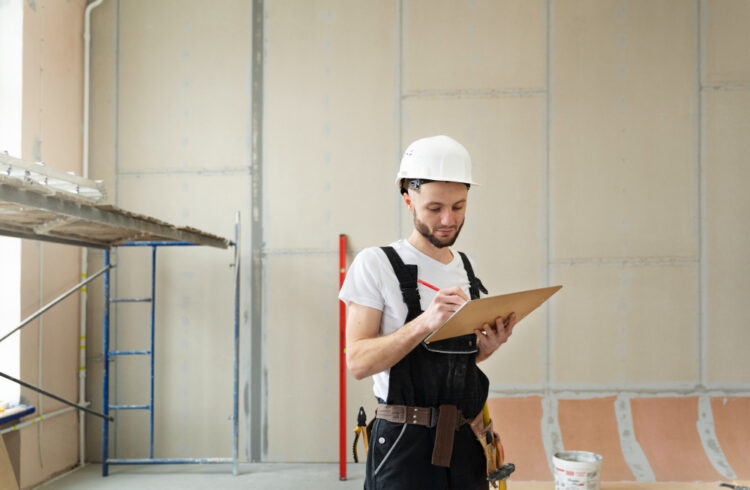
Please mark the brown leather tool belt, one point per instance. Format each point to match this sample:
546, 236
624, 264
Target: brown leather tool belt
447, 419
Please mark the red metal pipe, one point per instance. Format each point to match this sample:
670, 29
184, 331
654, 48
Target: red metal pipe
342, 362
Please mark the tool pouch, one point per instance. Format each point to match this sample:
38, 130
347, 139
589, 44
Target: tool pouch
446, 430
490, 444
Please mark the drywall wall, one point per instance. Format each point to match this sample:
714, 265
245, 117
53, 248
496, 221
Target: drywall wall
607, 135
336, 178
51, 132
171, 139
588, 124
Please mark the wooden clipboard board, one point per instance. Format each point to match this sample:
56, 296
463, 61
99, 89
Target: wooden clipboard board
473, 314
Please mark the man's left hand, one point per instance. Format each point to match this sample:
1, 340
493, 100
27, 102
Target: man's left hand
492, 337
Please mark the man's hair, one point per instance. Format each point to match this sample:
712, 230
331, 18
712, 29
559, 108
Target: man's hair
415, 184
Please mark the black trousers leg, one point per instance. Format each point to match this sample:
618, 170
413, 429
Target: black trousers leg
400, 457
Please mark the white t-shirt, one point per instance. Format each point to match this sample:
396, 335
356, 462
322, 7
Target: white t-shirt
371, 282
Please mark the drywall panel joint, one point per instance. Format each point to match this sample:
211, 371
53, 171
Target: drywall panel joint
399, 111
701, 182
718, 87
193, 171
258, 427
548, 337
479, 94
551, 433
624, 262
631, 450
710, 442
302, 251
603, 391
116, 115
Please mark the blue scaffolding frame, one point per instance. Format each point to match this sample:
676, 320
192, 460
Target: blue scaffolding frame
106, 460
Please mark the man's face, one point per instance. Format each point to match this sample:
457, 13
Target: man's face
439, 209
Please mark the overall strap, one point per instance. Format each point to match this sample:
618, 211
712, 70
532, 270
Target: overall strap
407, 281
475, 285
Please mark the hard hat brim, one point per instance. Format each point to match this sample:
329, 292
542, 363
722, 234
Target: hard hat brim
399, 179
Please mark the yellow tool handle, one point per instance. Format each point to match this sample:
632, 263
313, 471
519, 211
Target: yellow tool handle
502, 484
354, 445
365, 441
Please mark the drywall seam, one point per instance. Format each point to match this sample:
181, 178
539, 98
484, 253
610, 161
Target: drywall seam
727, 386
711, 446
303, 252
264, 383
399, 110
548, 203
258, 427
653, 387
307, 251
725, 86
631, 450
469, 93
246, 372
116, 115
619, 262
551, 433
645, 391
194, 171
703, 264
115, 373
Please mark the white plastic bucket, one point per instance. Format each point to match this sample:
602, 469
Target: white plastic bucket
577, 470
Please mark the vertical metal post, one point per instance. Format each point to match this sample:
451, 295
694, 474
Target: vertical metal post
153, 353
105, 388
257, 435
235, 399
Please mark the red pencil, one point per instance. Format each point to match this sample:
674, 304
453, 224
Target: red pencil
428, 284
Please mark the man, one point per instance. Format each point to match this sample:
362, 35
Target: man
428, 444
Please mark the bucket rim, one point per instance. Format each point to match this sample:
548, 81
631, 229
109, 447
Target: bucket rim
586, 457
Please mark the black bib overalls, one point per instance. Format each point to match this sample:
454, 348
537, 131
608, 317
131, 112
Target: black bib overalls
443, 372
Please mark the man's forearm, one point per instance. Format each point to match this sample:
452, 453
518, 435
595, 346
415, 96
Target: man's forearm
366, 357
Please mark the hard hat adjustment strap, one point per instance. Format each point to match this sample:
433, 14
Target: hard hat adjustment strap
417, 183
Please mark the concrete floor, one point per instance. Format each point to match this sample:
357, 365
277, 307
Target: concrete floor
268, 476
263, 476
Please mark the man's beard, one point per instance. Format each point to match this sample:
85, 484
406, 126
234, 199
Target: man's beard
424, 230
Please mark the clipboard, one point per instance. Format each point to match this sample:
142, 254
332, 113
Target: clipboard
473, 314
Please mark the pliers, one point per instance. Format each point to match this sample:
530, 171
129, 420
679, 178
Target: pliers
361, 429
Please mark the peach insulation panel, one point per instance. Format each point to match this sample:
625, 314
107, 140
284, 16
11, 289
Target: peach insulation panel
665, 428
518, 421
591, 425
667, 432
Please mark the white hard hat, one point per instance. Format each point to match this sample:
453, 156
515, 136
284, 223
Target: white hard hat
438, 158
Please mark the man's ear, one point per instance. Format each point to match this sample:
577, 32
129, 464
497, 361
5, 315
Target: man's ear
407, 200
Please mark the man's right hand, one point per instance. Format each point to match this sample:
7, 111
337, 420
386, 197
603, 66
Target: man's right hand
445, 303
368, 353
